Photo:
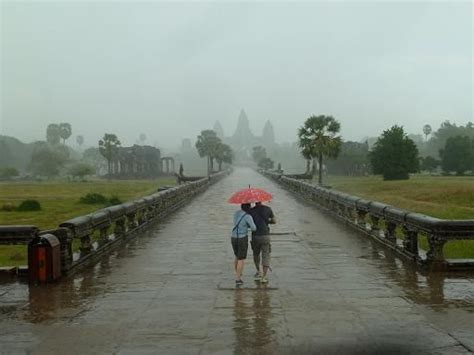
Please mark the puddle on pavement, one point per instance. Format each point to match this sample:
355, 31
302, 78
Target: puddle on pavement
436, 290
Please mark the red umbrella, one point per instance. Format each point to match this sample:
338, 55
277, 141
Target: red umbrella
249, 195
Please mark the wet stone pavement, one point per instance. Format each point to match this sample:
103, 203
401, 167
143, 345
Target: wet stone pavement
171, 290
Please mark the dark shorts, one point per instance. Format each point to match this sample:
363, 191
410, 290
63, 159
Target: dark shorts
240, 246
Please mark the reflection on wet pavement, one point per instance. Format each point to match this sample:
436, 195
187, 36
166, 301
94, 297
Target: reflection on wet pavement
171, 291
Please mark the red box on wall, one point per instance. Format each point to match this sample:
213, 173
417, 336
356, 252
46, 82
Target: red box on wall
44, 259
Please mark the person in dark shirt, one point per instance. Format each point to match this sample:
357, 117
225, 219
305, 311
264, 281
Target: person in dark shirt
262, 216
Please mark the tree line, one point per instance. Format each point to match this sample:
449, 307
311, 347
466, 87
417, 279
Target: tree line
210, 146
394, 155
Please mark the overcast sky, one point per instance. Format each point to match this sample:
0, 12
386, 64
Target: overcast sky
172, 69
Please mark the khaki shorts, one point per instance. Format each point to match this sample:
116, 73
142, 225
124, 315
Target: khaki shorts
261, 245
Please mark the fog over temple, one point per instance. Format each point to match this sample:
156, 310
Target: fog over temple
243, 139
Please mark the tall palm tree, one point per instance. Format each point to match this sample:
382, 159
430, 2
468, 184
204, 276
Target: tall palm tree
65, 131
306, 153
109, 149
207, 145
318, 138
224, 155
427, 131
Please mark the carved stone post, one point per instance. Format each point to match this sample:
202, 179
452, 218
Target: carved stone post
151, 212
131, 219
142, 217
410, 243
435, 255
103, 235
86, 245
390, 232
349, 213
65, 239
120, 228
361, 218
374, 224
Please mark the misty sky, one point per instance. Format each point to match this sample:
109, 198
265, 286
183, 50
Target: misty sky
172, 69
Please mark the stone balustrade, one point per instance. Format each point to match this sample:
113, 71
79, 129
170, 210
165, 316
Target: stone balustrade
100, 231
399, 229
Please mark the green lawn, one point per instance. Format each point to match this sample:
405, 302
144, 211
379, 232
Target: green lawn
442, 197
438, 196
60, 202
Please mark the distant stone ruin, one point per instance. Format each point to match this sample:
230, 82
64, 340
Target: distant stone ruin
141, 162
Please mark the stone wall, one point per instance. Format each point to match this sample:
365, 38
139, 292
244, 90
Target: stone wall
396, 228
105, 229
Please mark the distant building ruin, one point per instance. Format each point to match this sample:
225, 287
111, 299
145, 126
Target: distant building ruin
138, 162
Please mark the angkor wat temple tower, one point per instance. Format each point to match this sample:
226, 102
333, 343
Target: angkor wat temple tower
243, 139
219, 130
268, 136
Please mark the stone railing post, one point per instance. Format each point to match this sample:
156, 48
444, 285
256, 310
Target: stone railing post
374, 224
86, 245
435, 256
65, 239
120, 228
410, 243
361, 218
103, 235
389, 232
131, 221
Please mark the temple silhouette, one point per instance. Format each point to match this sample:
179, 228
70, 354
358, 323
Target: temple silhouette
243, 139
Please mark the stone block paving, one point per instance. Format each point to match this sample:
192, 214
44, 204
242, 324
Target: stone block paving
171, 291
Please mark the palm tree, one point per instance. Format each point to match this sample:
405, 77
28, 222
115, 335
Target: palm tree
318, 138
224, 155
109, 148
207, 145
427, 131
306, 153
65, 131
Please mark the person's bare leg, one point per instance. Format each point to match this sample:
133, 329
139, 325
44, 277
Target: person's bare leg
239, 269
265, 270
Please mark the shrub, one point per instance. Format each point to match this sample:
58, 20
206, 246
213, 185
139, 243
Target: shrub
81, 170
29, 205
47, 161
114, 200
266, 163
93, 198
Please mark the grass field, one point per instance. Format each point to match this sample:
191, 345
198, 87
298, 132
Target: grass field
437, 196
60, 202
442, 197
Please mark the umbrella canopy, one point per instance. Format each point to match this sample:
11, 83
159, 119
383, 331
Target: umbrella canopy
249, 195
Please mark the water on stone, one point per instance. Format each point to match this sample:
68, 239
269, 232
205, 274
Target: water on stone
171, 290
